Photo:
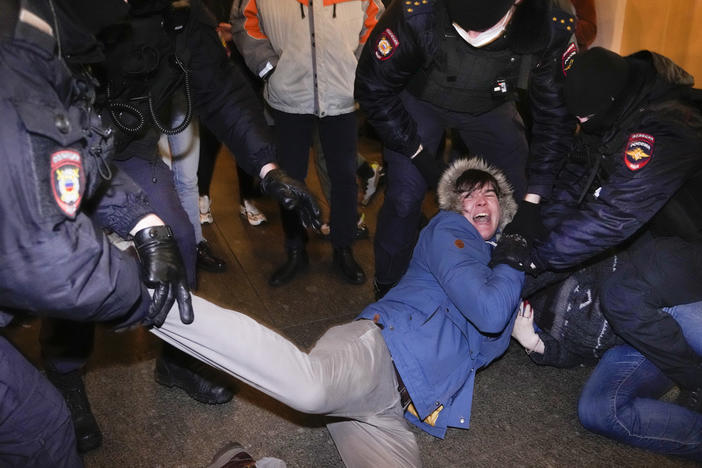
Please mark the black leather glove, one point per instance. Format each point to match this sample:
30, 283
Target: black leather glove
430, 168
512, 250
514, 246
293, 195
163, 270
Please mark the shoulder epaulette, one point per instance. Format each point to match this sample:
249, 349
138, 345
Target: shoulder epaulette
413, 7
563, 20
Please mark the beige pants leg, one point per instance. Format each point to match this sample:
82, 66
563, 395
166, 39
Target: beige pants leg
348, 375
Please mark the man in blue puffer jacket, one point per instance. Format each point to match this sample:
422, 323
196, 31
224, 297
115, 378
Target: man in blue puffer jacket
413, 354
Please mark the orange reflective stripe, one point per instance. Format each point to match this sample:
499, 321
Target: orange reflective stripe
251, 24
332, 2
371, 20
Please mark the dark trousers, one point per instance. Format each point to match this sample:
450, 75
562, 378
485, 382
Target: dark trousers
209, 149
156, 180
663, 272
339, 135
36, 429
497, 136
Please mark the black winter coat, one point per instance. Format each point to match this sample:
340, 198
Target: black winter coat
54, 258
412, 30
645, 172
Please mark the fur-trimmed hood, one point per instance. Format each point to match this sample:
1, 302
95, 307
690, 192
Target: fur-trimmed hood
449, 200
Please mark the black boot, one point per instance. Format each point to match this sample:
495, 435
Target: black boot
207, 261
690, 399
297, 261
347, 266
197, 379
88, 435
381, 289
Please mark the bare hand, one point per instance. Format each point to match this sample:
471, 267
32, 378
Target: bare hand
523, 330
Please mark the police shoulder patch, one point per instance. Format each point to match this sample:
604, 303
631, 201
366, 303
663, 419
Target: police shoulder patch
638, 151
567, 57
67, 180
386, 45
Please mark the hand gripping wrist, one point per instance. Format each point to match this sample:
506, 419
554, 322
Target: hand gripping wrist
512, 250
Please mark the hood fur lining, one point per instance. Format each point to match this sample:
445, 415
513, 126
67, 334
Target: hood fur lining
449, 200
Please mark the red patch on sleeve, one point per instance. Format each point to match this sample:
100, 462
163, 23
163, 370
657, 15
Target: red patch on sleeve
639, 151
459, 243
386, 45
67, 180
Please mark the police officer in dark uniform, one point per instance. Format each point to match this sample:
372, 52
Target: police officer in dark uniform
64, 189
634, 178
431, 65
56, 261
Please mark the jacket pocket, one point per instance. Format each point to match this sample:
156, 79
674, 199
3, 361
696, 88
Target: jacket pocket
55, 160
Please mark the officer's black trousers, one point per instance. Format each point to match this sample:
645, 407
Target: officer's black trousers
35, 424
662, 272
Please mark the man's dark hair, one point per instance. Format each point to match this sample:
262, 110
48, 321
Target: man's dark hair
474, 179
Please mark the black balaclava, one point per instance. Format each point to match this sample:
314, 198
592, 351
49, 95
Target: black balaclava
596, 82
477, 15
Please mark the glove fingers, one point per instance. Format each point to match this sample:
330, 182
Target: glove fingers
287, 198
312, 212
158, 298
308, 208
170, 300
185, 304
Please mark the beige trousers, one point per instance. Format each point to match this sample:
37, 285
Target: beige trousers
348, 376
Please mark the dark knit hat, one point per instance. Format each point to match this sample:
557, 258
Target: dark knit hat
596, 80
477, 15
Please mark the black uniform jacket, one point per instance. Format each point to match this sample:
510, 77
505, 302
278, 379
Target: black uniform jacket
406, 39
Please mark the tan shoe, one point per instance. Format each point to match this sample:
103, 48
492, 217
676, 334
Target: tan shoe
252, 213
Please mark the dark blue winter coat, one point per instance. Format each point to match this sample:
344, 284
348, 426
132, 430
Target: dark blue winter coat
54, 258
645, 172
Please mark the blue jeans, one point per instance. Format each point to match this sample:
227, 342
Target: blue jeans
621, 398
185, 156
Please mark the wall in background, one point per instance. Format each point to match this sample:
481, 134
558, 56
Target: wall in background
663, 26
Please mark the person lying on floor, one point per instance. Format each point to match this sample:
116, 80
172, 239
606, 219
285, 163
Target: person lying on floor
450, 315
563, 326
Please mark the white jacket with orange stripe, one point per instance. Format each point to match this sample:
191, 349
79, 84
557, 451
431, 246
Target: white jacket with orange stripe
311, 46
